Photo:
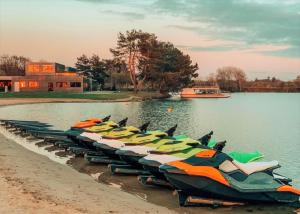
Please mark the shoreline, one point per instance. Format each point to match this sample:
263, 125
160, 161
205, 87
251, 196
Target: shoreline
31, 182
24, 101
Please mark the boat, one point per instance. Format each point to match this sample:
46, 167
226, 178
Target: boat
133, 152
214, 174
83, 126
154, 160
203, 92
83, 136
117, 138
89, 122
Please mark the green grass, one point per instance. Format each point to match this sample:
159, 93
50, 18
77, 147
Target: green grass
112, 96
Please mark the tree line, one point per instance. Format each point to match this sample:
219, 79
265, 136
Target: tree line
233, 79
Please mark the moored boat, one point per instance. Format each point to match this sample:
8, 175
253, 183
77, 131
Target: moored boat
203, 92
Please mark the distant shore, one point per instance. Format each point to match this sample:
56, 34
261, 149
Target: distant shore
89, 97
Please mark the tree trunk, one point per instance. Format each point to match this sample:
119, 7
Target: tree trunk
133, 72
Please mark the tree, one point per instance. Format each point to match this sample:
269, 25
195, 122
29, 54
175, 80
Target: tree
83, 63
240, 77
297, 81
93, 67
13, 65
131, 48
98, 69
118, 75
211, 79
231, 78
167, 68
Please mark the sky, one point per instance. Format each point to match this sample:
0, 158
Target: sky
260, 36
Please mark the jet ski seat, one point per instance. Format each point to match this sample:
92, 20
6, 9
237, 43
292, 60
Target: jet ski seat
92, 136
248, 168
256, 182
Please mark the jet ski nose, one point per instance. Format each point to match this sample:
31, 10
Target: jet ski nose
165, 167
143, 161
121, 152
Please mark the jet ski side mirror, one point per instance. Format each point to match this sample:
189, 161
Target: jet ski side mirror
171, 131
219, 146
123, 122
205, 139
144, 127
107, 118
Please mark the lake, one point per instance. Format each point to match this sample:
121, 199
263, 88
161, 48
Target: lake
267, 122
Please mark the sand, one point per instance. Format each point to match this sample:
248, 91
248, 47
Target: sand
32, 183
19, 101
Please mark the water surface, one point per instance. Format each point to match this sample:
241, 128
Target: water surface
268, 122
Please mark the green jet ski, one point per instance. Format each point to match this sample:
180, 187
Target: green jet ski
152, 161
217, 176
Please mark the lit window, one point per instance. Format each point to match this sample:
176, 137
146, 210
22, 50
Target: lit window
22, 84
47, 68
36, 68
33, 84
30, 67
33, 68
61, 84
75, 84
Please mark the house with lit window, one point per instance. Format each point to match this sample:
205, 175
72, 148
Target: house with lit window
45, 76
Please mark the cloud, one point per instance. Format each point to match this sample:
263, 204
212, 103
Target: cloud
250, 22
128, 15
270, 50
270, 22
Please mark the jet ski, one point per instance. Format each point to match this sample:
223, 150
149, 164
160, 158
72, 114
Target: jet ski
83, 126
152, 161
85, 138
216, 175
131, 137
131, 153
110, 142
88, 123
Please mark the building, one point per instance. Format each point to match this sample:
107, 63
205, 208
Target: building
44, 76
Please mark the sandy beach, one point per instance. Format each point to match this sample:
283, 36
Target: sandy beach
20, 101
31, 182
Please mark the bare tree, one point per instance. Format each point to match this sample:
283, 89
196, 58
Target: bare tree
211, 79
13, 65
240, 77
231, 78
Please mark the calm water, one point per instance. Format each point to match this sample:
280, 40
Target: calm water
269, 122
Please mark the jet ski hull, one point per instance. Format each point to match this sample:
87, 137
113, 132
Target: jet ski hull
107, 150
153, 167
205, 187
131, 158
